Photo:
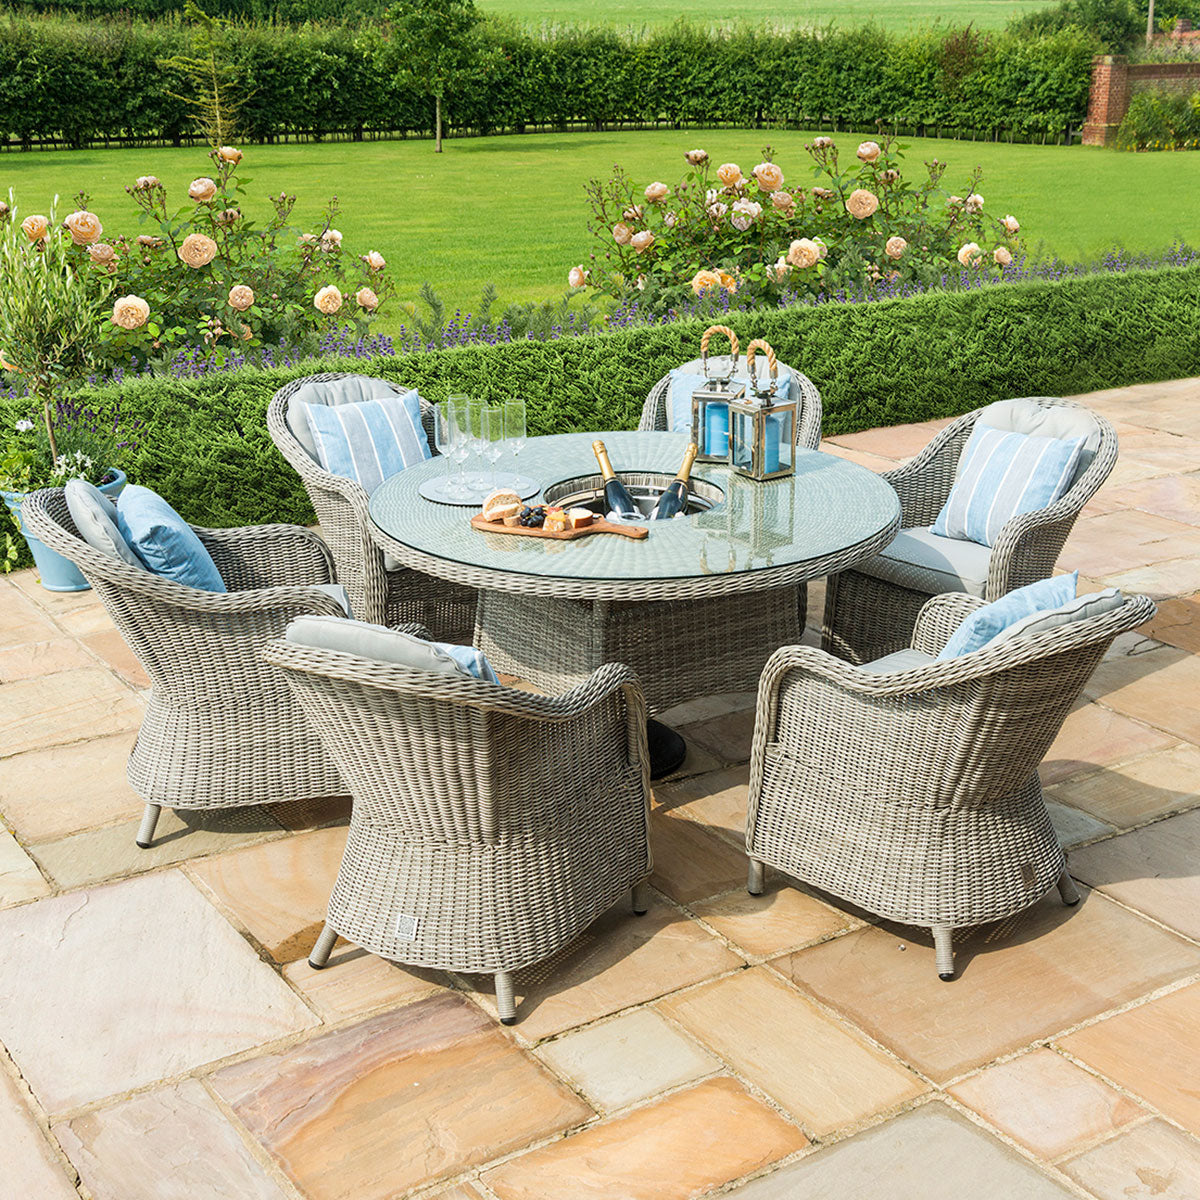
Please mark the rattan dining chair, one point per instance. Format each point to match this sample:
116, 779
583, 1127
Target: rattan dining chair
490, 825
870, 610
221, 728
381, 591
909, 786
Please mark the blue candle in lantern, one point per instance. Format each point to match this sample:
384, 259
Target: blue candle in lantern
772, 440
716, 429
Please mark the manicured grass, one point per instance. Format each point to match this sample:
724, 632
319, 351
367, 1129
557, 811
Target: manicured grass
895, 14
512, 209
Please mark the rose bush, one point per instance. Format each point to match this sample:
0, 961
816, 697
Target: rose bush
766, 238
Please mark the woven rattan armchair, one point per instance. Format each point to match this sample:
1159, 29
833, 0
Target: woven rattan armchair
490, 825
914, 793
380, 591
221, 728
868, 615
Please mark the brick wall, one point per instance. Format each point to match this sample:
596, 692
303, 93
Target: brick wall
1115, 79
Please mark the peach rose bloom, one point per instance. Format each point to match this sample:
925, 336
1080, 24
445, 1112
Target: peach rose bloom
768, 177
102, 254
727, 281
227, 216
822, 143
730, 174
367, 299
970, 254
820, 193
375, 260
697, 158
328, 300
331, 239
622, 234
895, 247
891, 175
703, 280
656, 193
781, 270
803, 253
633, 213
974, 203
1003, 256
862, 203
784, 201
202, 190
85, 227
717, 210
198, 250
144, 183
241, 297
308, 239
670, 219
230, 154
1011, 224
130, 312
642, 241
577, 276
150, 241
954, 201
869, 151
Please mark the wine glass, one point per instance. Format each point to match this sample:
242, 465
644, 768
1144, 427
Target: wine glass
445, 435
515, 429
492, 430
476, 406
460, 446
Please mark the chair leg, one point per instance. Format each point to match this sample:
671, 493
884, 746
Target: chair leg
755, 878
1067, 889
504, 998
145, 833
943, 949
639, 898
319, 957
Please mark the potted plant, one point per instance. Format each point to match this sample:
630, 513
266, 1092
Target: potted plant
48, 335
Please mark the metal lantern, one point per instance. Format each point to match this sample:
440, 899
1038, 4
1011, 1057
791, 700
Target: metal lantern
762, 428
710, 402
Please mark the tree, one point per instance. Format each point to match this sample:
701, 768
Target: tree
436, 45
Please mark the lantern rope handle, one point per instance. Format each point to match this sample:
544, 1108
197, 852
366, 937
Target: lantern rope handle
733, 346
772, 364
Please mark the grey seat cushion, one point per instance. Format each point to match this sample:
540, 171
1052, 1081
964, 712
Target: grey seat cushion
1081, 608
331, 392
1037, 420
391, 563
335, 591
95, 516
902, 660
923, 561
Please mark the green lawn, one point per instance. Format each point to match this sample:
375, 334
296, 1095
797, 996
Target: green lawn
896, 14
512, 209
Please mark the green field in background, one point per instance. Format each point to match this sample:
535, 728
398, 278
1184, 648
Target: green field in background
512, 210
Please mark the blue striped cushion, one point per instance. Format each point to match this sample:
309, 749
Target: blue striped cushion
371, 440
1002, 475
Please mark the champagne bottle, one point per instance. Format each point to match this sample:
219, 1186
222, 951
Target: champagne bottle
675, 498
616, 494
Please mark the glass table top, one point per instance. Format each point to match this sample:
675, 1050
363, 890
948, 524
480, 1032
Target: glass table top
828, 506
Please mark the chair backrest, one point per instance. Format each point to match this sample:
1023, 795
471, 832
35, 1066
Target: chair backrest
1048, 416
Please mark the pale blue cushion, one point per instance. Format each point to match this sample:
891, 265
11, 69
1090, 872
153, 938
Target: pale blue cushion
989, 621
689, 378
345, 389
371, 440
1002, 475
95, 516
381, 644
164, 541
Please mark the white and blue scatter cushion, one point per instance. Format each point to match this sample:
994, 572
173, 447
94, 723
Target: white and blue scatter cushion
988, 622
685, 381
371, 440
1002, 475
164, 542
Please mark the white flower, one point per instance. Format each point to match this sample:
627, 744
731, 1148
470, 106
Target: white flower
331, 239
717, 210
1003, 256
869, 151
656, 192
1011, 223
970, 254
577, 276
642, 240
24, 426
745, 213
974, 203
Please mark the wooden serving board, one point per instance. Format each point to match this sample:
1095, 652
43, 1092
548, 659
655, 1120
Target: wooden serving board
599, 525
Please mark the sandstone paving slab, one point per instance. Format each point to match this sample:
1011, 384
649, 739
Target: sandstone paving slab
29, 584
782, 918
49, 793
400, 1100
1114, 542
1153, 1050
1138, 791
691, 862
1073, 826
85, 619
1153, 1161
69, 706
682, 1147
170, 1144
1157, 451
698, 760
21, 621
619, 962
873, 462
280, 889
29, 1168
1155, 869
1094, 736
1174, 496
1177, 622
930, 1153
630, 1058
110, 647
717, 800
357, 982
1047, 1104
311, 814
120, 986
727, 737
892, 441
701, 708
821, 1071
28, 660
1018, 981
112, 852
1159, 686
1160, 580
19, 877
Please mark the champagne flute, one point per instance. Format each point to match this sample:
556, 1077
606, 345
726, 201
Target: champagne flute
516, 430
492, 428
460, 446
443, 438
476, 407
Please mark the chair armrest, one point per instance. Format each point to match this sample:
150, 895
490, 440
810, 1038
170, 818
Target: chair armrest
940, 617
924, 482
253, 557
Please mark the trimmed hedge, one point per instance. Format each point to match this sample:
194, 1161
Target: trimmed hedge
205, 445
74, 82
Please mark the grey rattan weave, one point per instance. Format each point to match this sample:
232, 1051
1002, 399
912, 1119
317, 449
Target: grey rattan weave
378, 595
867, 618
490, 825
915, 794
221, 728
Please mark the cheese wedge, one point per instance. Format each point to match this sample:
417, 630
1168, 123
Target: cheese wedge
579, 518
556, 520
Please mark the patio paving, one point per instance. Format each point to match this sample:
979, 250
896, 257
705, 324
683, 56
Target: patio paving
162, 1036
